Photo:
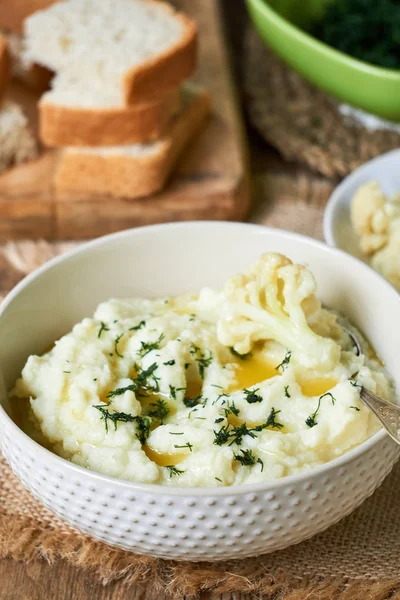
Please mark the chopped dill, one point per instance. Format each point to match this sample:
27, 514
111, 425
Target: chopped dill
117, 339
192, 402
219, 420
172, 391
285, 363
218, 479
146, 347
287, 391
159, 410
115, 417
238, 355
143, 428
252, 397
174, 470
311, 421
119, 391
66, 371
221, 436
139, 326
176, 433
355, 384
271, 421
192, 317
187, 365
231, 410
169, 363
355, 408
102, 328
187, 445
246, 458
261, 463
202, 361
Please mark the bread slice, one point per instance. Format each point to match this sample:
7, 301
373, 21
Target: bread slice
17, 143
130, 171
4, 66
34, 76
139, 49
64, 124
14, 12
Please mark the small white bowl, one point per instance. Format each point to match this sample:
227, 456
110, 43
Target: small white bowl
174, 522
338, 231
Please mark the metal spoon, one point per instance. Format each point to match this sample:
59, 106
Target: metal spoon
387, 413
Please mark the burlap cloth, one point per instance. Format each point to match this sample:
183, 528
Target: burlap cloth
304, 124
357, 559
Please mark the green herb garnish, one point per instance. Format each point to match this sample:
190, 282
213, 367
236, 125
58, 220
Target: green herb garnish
252, 397
102, 328
287, 391
159, 410
169, 363
203, 361
115, 417
187, 445
146, 347
174, 470
246, 458
137, 327
355, 408
285, 363
311, 421
117, 339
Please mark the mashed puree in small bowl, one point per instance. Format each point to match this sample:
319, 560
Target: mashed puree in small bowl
254, 382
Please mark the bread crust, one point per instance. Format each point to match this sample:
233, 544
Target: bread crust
14, 12
155, 76
81, 174
4, 66
70, 126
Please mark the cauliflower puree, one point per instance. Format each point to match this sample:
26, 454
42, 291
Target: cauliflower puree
376, 219
251, 383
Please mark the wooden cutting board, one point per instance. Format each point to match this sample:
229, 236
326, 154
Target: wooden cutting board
210, 182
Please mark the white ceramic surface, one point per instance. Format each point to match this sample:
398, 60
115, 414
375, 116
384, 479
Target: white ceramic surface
190, 523
338, 231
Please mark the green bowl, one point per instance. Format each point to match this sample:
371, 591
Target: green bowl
283, 26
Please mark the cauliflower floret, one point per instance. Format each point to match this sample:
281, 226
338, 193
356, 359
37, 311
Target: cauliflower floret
369, 217
387, 262
271, 302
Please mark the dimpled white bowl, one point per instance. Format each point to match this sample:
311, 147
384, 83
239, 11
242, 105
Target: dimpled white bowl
190, 523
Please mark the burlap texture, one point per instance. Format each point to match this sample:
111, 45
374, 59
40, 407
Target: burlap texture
357, 559
303, 123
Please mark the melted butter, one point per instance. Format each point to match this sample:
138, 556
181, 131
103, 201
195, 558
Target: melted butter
164, 459
193, 388
251, 371
317, 387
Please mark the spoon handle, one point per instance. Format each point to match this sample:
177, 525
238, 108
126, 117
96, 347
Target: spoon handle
387, 413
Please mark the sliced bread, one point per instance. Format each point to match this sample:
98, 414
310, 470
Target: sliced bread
14, 12
130, 171
4, 66
70, 116
17, 143
139, 49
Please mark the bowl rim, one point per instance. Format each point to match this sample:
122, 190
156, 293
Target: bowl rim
305, 37
336, 196
234, 490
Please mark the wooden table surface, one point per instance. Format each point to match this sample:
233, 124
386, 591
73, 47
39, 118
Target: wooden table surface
281, 193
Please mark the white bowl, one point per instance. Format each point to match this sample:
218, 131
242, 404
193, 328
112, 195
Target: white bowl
338, 231
190, 523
